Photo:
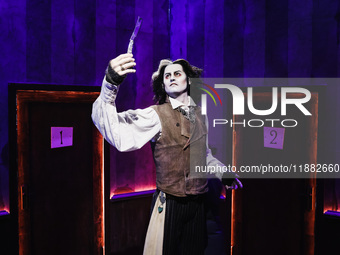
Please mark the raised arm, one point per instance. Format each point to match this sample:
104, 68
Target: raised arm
128, 130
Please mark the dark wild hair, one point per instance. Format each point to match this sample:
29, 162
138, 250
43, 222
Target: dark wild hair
157, 77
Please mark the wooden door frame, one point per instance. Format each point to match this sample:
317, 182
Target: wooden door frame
310, 216
20, 95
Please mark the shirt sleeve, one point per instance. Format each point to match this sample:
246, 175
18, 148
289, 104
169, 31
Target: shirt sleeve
128, 130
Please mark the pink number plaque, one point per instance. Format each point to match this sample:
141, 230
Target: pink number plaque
273, 137
61, 137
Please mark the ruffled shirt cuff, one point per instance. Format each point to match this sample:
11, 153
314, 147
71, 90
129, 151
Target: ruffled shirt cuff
109, 92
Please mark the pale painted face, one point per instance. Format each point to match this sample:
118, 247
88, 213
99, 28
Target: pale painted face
175, 80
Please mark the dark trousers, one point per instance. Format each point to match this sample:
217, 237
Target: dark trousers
185, 226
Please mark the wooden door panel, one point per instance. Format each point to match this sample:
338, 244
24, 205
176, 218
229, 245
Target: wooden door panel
275, 216
60, 190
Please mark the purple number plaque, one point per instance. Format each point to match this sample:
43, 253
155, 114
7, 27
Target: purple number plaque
273, 137
61, 137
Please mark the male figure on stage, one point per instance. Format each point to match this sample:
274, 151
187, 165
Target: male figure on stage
178, 133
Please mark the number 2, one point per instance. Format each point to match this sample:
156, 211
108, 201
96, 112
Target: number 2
275, 133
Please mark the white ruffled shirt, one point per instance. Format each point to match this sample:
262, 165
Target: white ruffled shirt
132, 129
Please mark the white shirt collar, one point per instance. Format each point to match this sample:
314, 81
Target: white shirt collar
175, 103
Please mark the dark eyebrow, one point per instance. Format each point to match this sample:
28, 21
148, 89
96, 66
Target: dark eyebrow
174, 72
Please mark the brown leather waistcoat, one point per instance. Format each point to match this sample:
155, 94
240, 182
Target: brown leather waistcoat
182, 146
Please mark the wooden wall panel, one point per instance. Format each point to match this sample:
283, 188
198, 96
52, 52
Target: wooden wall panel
178, 30
63, 36
300, 34
38, 44
195, 33
276, 37
325, 38
126, 238
254, 39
